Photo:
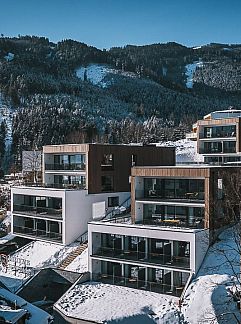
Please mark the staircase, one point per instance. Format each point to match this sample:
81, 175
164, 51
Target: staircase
119, 211
70, 258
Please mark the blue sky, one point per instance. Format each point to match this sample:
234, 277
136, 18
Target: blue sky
107, 23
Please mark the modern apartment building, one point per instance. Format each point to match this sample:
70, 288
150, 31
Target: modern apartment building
81, 182
218, 136
175, 214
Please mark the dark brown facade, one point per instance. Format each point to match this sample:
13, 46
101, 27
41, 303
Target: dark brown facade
123, 158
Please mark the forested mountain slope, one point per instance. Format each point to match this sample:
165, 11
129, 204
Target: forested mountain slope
146, 93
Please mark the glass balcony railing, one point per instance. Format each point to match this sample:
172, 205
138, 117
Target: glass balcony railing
155, 258
132, 282
77, 186
52, 236
170, 194
156, 221
40, 211
65, 167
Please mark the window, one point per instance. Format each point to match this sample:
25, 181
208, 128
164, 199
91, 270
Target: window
133, 160
113, 201
107, 161
107, 183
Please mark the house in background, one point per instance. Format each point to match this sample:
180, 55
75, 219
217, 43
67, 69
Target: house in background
176, 213
218, 136
81, 182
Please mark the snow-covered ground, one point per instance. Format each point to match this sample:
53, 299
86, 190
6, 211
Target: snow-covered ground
100, 74
208, 299
6, 114
36, 255
190, 69
111, 304
186, 150
80, 264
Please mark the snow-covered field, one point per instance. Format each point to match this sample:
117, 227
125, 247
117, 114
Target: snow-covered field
38, 255
100, 74
186, 151
208, 299
6, 114
190, 69
110, 304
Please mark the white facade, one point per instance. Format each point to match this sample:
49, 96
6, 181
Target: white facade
197, 238
78, 208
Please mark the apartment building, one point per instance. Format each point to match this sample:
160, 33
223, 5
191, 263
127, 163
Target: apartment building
218, 136
176, 213
81, 182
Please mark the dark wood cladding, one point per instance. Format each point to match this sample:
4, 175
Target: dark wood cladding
122, 160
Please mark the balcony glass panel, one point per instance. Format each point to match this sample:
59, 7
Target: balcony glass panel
150, 279
179, 216
41, 206
161, 188
44, 229
218, 147
68, 162
219, 131
78, 182
144, 250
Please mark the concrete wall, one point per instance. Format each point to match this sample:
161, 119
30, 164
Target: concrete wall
80, 209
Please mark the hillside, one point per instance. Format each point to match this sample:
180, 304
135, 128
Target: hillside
72, 92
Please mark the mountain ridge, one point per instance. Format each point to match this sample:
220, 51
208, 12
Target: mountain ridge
53, 105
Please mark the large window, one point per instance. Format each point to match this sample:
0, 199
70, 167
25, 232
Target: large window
174, 188
78, 182
220, 131
68, 162
107, 183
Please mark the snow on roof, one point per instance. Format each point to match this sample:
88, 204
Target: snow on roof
37, 315
101, 302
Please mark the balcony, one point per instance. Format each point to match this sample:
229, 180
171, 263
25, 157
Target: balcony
169, 195
131, 282
65, 167
157, 221
71, 186
45, 212
31, 232
143, 257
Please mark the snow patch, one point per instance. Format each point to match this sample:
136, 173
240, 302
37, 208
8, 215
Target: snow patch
190, 69
186, 151
80, 264
100, 74
9, 57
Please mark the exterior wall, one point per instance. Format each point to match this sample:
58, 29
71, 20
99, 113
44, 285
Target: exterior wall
82, 208
201, 247
42, 192
146, 155
197, 245
219, 122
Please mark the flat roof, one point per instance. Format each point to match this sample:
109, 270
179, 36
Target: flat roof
100, 302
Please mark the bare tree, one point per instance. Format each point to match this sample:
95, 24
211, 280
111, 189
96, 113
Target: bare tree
32, 164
